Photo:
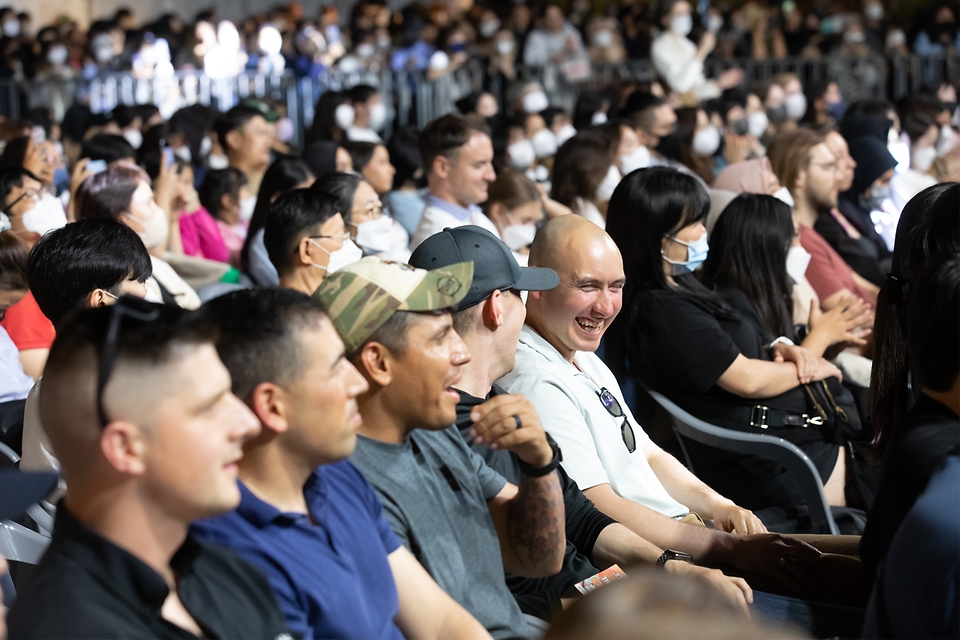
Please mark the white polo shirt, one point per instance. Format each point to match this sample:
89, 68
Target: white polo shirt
570, 409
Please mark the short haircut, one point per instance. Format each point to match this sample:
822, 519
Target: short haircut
360, 93
360, 152
789, 154
934, 323
341, 186
235, 119
639, 109
123, 115
11, 177
258, 337
108, 147
444, 137
217, 184
13, 262
68, 263
14, 152
512, 189
404, 155
295, 215
107, 194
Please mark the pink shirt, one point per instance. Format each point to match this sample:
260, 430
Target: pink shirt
201, 236
234, 237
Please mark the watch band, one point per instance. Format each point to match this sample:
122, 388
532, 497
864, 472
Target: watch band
536, 472
669, 554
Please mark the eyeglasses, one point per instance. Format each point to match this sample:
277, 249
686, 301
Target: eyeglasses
33, 194
374, 211
137, 309
612, 405
339, 237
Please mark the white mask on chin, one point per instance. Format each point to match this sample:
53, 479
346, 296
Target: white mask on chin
45, 216
217, 162
783, 195
518, 236
155, 229
375, 236
521, 154
342, 257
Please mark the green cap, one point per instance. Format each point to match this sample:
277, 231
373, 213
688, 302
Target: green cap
360, 297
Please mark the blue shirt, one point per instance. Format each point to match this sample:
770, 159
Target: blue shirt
330, 576
453, 209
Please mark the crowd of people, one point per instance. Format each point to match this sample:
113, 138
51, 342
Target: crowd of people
407, 387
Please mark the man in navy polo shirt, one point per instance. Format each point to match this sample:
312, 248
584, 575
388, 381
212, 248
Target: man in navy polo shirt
307, 517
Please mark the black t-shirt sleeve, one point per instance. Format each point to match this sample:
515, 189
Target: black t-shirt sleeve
682, 345
584, 521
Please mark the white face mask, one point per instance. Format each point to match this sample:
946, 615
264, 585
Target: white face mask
247, 206
706, 141
489, 27
152, 297
783, 195
947, 140
57, 55
797, 261
155, 229
518, 236
365, 50
45, 216
757, 123
602, 38
342, 257
544, 143
899, 149
378, 116
183, 153
922, 158
682, 25
599, 118
639, 158
610, 182
796, 104
504, 47
535, 102
11, 28
521, 154
375, 236
344, 116
566, 132
134, 137
205, 146
874, 11
217, 162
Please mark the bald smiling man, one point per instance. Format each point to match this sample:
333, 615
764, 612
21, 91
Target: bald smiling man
605, 450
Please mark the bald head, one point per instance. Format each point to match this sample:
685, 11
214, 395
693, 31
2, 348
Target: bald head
574, 316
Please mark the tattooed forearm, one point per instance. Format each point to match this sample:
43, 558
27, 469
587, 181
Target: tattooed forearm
537, 531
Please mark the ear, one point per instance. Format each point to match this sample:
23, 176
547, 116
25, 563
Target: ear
441, 167
227, 202
268, 403
375, 362
96, 298
492, 311
801, 181
303, 251
234, 139
124, 447
495, 213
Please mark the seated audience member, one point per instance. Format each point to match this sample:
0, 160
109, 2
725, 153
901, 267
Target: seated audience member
918, 119
200, 235
655, 123
370, 227
405, 200
15, 384
306, 239
584, 177
699, 142
323, 157
247, 138
123, 193
685, 341
86, 264
307, 518
916, 593
219, 196
805, 165
139, 407
30, 212
916, 426
372, 161
460, 518
489, 320
554, 41
369, 114
862, 247
515, 206
457, 156
282, 176
108, 147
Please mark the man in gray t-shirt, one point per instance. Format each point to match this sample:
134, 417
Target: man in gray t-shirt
462, 520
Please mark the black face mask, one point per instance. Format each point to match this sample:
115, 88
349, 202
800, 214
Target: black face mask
669, 146
777, 115
740, 126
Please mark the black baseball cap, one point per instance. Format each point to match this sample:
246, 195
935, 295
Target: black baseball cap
20, 489
494, 267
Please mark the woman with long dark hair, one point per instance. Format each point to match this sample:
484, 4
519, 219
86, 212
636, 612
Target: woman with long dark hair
684, 340
284, 174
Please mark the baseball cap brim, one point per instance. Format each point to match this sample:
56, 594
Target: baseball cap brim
20, 489
537, 279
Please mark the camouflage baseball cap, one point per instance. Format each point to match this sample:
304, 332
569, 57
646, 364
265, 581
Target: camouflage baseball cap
360, 297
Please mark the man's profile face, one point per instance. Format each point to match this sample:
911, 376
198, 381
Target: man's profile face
845, 162
194, 438
588, 298
256, 139
821, 175
665, 120
514, 314
471, 170
329, 382
425, 376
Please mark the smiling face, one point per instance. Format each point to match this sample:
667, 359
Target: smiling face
575, 315
470, 172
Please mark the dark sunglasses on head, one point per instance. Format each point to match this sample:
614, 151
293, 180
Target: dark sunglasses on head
127, 306
614, 409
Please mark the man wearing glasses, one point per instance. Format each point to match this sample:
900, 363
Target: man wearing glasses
306, 238
138, 406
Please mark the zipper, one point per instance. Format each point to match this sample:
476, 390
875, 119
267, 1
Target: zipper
841, 413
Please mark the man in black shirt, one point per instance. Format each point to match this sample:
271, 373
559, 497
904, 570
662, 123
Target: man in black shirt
139, 412
489, 320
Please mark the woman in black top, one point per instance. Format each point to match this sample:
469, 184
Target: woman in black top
677, 337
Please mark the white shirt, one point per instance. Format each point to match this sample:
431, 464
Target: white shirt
542, 45
588, 210
176, 286
435, 219
358, 134
675, 59
37, 451
570, 409
14, 383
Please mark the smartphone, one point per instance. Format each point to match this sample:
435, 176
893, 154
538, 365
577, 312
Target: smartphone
167, 153
96, 166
